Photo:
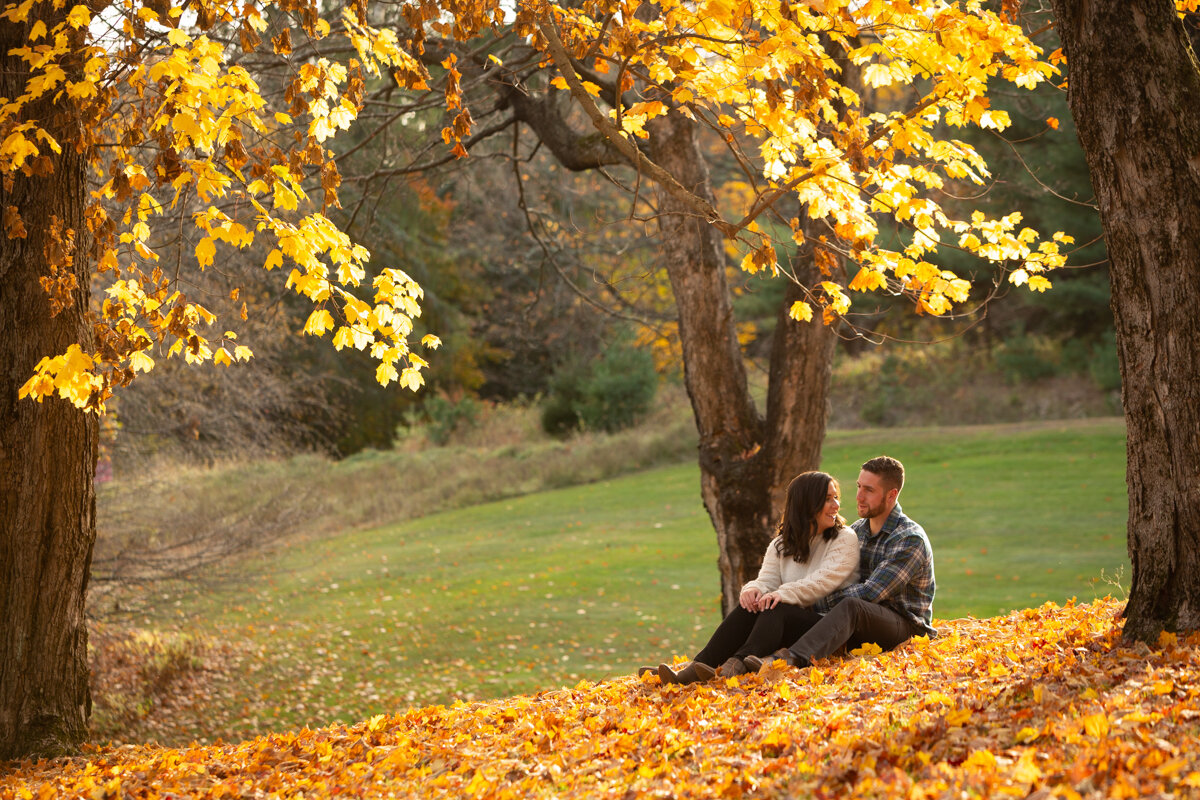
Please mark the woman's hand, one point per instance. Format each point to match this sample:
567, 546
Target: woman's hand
768, 601
749, 598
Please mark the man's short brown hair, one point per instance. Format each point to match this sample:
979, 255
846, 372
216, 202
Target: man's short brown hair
888, 468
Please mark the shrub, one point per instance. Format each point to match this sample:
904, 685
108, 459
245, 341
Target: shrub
1103, 365
447, 416
1024, 358
607, 394
560, 412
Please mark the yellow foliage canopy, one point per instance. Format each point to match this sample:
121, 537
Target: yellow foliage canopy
170, 123
1044, 702
849, 106
846, 103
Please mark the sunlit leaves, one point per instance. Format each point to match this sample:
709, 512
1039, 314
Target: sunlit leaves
827, 93
1044, 702
170, 122
69, 376
800, 311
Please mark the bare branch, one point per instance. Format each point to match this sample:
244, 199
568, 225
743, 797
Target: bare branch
414, 168
562, 60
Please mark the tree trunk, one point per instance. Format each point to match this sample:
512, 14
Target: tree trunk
1134, 92
47, 454
801, 373
745, 464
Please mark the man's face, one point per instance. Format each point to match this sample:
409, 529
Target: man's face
873, 495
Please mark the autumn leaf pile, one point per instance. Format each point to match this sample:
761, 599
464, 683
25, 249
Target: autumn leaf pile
1041, 703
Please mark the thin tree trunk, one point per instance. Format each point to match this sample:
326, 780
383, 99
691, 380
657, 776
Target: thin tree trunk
47, 456
1134, 92
745, 464
801, 374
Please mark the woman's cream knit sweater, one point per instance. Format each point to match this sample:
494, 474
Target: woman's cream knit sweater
831, 565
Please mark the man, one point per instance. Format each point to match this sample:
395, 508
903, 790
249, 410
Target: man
894, 600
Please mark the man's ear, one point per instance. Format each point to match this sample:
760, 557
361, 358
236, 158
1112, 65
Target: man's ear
892, 494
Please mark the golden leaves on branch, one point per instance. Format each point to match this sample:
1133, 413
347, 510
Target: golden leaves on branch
785, 77
171, 121
1044, 702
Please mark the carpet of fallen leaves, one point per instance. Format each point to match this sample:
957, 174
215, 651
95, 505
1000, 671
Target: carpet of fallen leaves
1041, 703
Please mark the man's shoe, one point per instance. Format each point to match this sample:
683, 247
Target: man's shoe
693, 672
732, 666
644, 670
756, 663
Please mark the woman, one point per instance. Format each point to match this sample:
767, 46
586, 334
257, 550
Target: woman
812, 554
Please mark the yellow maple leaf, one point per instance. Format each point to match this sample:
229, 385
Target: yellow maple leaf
981, 759
318, 322
1026, 735
868, 280
1096, 725
141, 362
206, 250
801, 311
1026, 769
958, 717
79, 17
412, 378
18, 13
285, 198
385, 374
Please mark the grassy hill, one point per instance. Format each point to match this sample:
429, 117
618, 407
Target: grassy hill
580, 583
1040, 703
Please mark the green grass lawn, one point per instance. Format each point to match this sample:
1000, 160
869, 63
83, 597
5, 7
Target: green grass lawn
587, 582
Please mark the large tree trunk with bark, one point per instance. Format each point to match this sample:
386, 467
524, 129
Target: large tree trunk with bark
1134, 92
745, 462
47, 454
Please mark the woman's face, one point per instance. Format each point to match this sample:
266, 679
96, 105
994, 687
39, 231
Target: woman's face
827, 516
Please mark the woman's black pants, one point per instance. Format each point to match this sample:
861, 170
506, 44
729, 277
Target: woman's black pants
756, 633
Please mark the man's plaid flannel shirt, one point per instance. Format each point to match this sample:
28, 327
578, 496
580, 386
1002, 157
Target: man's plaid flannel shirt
897, 564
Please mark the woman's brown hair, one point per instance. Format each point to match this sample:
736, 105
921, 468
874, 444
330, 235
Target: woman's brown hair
806, 495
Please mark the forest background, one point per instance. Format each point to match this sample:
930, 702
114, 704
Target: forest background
559, 367
545, 292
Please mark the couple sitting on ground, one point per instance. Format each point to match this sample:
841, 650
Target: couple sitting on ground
824, 585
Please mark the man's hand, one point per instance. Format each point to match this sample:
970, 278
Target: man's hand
749, 598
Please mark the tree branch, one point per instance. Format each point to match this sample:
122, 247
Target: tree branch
411, 168
562, 60
574, 151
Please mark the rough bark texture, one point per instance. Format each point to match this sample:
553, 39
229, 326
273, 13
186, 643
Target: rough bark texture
801, 373
573, 150
745, 462
1135, 95
47, 461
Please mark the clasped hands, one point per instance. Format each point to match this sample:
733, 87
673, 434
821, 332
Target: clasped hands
754, 600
